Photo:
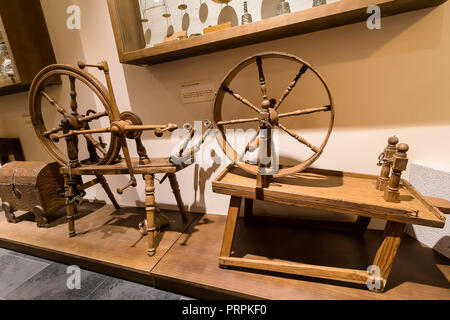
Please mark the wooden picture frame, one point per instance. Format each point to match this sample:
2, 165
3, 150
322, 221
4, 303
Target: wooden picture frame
25, 33
128, 32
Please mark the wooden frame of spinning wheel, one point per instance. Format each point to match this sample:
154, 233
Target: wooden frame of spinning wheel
122, 126
365, 204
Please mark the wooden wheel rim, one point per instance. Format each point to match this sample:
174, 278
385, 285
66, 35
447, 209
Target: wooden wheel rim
35, 108
218, 102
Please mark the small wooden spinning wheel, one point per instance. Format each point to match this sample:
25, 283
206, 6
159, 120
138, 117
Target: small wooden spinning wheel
268, 116
104, 159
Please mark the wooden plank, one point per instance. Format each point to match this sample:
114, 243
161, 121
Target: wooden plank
228, 235
337, 191
304, 21
349, 275
419, 273
105, 236
387, 251
157, 165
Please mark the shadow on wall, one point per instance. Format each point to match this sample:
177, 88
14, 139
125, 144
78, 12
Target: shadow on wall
376, 76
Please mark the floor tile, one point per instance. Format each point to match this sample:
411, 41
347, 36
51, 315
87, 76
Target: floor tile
117, 289
26, 256
15, 270
51, 284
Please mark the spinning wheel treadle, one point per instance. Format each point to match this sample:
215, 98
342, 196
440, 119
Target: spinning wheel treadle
267, 115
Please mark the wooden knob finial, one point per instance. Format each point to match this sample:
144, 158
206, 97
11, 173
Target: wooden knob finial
81, 65
403, 148
393, 140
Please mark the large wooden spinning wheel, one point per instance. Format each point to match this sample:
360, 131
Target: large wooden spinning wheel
267, 114
99, 152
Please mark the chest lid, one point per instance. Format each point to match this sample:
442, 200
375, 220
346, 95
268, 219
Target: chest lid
25, 172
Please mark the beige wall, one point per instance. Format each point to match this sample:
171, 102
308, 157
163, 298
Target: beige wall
389, 81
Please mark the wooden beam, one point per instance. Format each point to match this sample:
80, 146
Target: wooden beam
341, 274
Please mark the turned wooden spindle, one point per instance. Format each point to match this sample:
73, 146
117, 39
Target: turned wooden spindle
388, 153
400, 161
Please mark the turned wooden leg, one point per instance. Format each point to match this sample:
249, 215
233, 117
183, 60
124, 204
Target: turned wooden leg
230, 226
361, 225
39, 217
9, 213
248, 210
108, 191
176, 192
150, 211
70, 206
387, 252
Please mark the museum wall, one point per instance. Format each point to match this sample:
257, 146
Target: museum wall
384, 82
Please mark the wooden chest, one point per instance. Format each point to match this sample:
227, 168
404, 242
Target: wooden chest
31, 186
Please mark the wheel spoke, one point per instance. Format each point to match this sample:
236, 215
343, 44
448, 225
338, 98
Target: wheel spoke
94, 116
53, 102
54, 130
262, 78
291, 85
73, 96
294, 135
240, 98
237, 121
304, 111
95, 143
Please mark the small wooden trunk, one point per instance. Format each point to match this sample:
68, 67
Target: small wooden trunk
31, 186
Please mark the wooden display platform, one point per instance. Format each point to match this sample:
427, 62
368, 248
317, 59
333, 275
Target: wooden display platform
186, 262
107, 240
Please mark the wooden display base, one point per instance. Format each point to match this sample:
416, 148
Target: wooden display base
340, 192
106, 238
186, 260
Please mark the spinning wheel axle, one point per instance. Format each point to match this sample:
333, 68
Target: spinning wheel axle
116, 128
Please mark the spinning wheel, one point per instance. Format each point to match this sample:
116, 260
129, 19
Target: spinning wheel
267, 116
71, 119
103, 159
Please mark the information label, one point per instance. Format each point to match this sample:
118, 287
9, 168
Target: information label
198, 91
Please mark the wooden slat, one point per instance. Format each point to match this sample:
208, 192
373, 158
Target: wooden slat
158, 165
230, 227
342, 274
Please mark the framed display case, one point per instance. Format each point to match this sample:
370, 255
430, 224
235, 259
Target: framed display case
25, 46
155, 31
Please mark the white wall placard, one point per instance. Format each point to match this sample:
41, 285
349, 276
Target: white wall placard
197, 91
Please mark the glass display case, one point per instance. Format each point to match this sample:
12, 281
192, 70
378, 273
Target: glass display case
154, 31
25, 46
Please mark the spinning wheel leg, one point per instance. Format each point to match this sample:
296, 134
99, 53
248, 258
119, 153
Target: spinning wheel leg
361, 225
230, 227
387, 251
108, 191
150, 211
70, 207
248, 210
176, 192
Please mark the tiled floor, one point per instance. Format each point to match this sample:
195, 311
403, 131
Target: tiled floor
24, 277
